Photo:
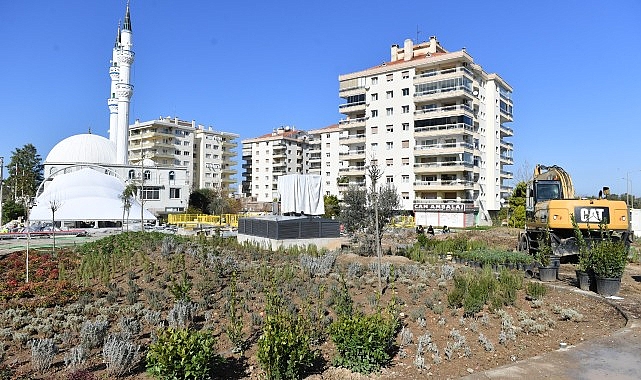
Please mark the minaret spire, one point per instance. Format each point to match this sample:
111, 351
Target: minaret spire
127, 24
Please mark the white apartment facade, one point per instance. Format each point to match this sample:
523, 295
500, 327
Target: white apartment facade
268, 157
206, 155
324, 156
434, 121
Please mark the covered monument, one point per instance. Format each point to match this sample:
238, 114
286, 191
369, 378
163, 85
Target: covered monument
300, 219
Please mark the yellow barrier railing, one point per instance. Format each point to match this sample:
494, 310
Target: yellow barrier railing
193, 220
402, 221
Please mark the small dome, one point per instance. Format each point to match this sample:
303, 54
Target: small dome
83, 148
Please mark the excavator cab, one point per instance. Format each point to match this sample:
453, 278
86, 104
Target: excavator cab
546, 190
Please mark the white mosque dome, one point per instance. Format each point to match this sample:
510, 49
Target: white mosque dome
83, 148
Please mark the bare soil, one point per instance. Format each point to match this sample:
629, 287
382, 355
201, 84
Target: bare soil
422, 294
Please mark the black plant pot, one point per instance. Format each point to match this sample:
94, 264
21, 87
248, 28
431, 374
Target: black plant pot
607, 286
585, 280
548, 274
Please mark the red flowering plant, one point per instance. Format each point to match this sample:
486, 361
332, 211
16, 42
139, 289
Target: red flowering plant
45, 287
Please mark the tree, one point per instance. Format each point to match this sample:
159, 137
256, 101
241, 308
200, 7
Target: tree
354, 211
516, 205
25, 173
54, 205
12, 210
126, 197
332, 207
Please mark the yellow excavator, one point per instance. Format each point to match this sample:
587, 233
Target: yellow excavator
550, 205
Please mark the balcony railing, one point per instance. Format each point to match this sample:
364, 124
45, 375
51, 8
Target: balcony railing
347, 122
456, 182
347, 105
443, 72
352, 169
352, 152
445, 146
352, 136
431, 201
445, 127
443, 91
351, 183
458, 107
443, 164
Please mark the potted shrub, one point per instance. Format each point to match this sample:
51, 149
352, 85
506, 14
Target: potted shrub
608, 260
584, 270
547, 271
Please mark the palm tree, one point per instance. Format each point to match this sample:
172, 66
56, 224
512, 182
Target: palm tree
126, 197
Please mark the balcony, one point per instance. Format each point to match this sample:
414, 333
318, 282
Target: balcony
506, 132
351, 91
352, 123
447, 111
444, 130
507, 145
439, 149
356, 138
430, 75
506, 116
506, 174
507, 160
351, 107
441, 185
351, 183
353, 154
353, 170
443, 93
442, 167
314, 157
432, 201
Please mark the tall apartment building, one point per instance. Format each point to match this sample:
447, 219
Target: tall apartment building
434, 121
324, 154
207, 154
269, 156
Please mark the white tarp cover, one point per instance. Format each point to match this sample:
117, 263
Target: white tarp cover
301, 194
87, 195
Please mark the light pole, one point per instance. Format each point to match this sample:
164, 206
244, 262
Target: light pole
1, 183
629, 189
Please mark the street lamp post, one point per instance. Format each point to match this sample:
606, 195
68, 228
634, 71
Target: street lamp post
629, 189
1, 183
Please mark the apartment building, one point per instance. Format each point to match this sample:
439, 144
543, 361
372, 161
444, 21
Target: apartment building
269, 156
207, 155
323, 154
435, 122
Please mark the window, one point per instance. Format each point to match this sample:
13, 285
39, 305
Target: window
374, 80
405, 74
207, 146
389, 111
147, 175
389, 77
405, 144
405, 195
151, 194
328, 174
327, 145
389, 94
406, 109
328, 164
374, 146
132, 174
374, 113
405, 161
374, 96
406, 91
186, 153
389, 179
374, 130
327, 135
374, 162
176, 152
174, 193
405, 179
389, 145
389, 128
389, 162
406, 126
172, 175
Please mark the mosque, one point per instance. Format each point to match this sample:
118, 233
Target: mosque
86, 174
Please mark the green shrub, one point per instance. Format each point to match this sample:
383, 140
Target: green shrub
284, 348
182, 354
535, 290
474, 289
363, 342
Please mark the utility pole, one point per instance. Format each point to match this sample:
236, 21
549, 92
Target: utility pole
142, 190
1, 183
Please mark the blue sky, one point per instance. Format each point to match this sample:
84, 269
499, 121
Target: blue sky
248, 66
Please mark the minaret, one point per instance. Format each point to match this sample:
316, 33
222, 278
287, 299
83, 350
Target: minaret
121, 90
112, 102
